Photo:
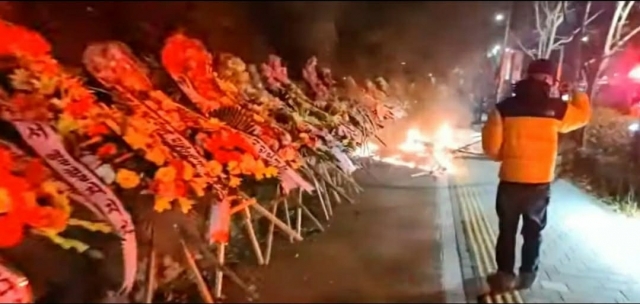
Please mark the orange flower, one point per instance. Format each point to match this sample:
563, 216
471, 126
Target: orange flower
12, 231
17, 39
46, 218
35, 172
107, 150
97, 130
6, 160
79, 108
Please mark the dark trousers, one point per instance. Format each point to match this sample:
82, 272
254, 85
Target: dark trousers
516, 200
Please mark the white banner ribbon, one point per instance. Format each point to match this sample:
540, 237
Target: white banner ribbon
344, 162
14, 288
46, 143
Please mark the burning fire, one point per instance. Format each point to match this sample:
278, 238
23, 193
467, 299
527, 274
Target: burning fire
433, 155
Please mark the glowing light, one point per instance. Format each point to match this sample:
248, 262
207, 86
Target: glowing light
366, 150
432, 153
607, 233
634, 74
634, 127
499, 17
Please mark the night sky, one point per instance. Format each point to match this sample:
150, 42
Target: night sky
361, 38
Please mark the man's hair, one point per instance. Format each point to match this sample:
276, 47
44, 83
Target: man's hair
542, 77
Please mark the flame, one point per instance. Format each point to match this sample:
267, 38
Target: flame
418, 151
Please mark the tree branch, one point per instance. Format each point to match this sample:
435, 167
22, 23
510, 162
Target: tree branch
526, 50
620, 43
565, 40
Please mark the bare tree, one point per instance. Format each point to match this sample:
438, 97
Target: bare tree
618, 34
551, 31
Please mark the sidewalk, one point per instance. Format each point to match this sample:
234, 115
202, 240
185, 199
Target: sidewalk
590, 253
390, 247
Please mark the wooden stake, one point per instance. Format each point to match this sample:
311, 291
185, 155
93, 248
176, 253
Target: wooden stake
287, 217
209, 257
264, 212
252, 236
308, 213
219, 277
325, 192
267, 254
321, 197
149, 290
299, 213
202, 285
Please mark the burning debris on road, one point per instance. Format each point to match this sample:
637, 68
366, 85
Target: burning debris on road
434, 155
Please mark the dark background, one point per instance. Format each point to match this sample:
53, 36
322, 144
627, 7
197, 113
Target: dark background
358, 38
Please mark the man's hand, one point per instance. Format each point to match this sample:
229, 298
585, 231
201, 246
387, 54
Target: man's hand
565, 88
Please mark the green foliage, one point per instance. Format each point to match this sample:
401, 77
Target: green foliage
608, 133
605, 167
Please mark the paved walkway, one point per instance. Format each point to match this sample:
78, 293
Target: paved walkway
590, 253
390, 247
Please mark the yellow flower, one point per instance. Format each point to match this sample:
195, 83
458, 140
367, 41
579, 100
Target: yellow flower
66, 125
135, 139
185, 204
197, 185
258, 172
248, 164
271, 172
162, 204
156, 156
215, 124
47, 85
166, 174
233, 167
5, 201
234, 182
187, 171
127, 179
214, 167
59, 200
258, 118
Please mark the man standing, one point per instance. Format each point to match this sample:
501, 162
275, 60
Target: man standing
522, 134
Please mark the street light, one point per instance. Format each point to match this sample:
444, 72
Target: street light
499, 17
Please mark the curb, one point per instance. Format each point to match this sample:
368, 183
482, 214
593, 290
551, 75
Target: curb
452, 276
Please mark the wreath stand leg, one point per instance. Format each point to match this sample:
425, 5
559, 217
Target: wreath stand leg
213, 260
287, 217
287, 229
321, 197
202, 285
299, 213
272, 225
219, 275
308, 213
252, 236
327, 199
149, 290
